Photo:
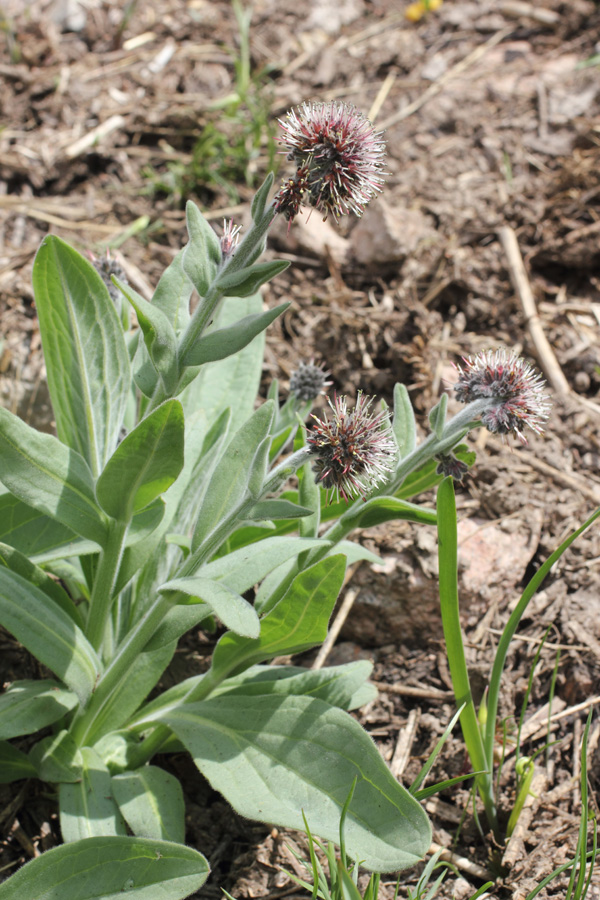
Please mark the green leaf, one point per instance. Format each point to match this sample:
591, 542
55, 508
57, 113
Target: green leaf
202, 255
248, 280
35, 534
159, 336
14, 764
387, 509
230, 607
151, 801
229, 483
84, 351
298, 622
232, 382
243, 568
337, 685
144, 464
28, 706
277, 509
42, 472
20, 564
87, 807
110, 868
226, 341
403, 423
173, 293
260, 198
48, 632
274, 757
437, 416
57, 759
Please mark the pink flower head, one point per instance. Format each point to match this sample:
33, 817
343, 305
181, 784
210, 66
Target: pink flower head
513, 387
353, 451
339, 158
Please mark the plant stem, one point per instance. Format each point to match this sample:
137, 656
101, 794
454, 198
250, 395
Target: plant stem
448, 560
104, 582
157, 738
83, 728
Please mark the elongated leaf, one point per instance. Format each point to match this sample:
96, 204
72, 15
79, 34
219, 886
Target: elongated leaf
232, 382
84, 351
35, 534
87, 808
229, 485
159, 336
57, 759
277, 509
247, 281
243, 568
173, 293
45, 474
226, 341
48, 632
202, 255
28, 706
230, 607
20, 564
151, 801
403, 423
260, 198
298, 622
342, 686
14, 764
144, 464
275, 757
387, 509
337, 685
110, 868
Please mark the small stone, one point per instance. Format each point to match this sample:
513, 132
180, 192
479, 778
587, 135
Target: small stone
387, 234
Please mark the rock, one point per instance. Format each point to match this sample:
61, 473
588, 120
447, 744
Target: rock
388, 234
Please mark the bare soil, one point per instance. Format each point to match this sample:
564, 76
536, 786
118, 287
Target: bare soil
491, 119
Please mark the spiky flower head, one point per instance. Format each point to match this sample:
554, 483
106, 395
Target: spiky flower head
308, 381
513, 387
353, 450
230, 238
106, 267
339, 158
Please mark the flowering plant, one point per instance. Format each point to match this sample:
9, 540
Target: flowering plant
161, 505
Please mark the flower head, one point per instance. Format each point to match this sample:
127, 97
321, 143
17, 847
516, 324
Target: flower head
353, 450
513, 387
308, 381
106, 267
339, 158
449, 464
230, 238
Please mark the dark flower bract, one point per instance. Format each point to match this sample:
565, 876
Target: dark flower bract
354, 450
308, 381
339, 158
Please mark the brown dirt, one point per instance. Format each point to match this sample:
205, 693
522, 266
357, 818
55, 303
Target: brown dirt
491, 121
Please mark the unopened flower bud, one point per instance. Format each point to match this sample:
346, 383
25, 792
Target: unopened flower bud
339, 158
308, 381
514, 389
448, 464
106, 267
354, 450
